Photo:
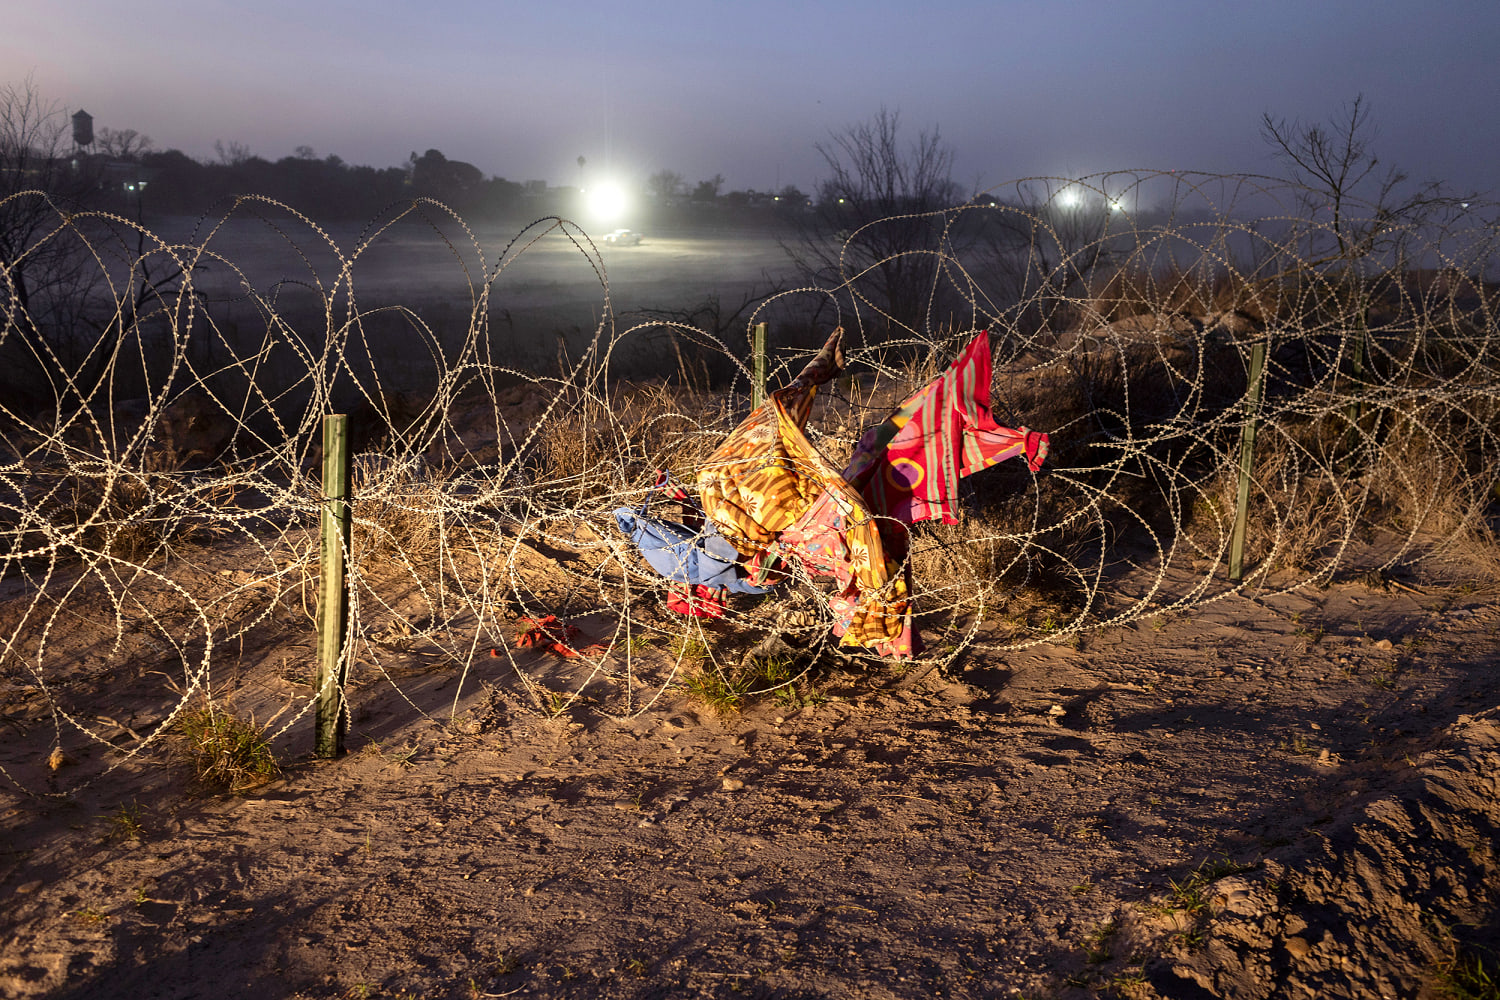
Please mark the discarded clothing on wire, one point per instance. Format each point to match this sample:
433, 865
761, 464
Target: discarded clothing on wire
909, 466
695, 557
776, 498
751, 486
692, 554
772, 502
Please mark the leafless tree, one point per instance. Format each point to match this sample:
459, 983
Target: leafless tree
39, 182
1339, 172
233, 154
123, 144
665, 184
1378, 220
55, 324
881, 219
877, 177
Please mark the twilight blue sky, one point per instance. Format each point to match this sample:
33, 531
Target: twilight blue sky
746, 89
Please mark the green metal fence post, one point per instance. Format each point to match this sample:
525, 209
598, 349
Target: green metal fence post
758, 365
333, 602
1247, 462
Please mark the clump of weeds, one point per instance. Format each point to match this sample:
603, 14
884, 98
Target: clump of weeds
227, 752
723, 693
124, 824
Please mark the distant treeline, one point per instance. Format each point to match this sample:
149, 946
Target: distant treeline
326, 188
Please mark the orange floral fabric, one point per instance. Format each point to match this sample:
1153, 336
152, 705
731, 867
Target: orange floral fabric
774, 496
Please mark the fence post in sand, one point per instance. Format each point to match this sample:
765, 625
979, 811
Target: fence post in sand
1247, 462
1354, 413
758, 365
333, 600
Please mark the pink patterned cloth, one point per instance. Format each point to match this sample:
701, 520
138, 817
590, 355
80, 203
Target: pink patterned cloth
908, 468
832, 539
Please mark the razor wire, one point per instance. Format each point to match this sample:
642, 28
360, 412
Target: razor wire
159, 440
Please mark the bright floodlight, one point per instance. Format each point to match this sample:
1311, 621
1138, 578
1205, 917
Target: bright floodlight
1069, 198
606, 201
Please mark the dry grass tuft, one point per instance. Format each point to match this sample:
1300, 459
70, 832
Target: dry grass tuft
227, 753
399, 509
131, 516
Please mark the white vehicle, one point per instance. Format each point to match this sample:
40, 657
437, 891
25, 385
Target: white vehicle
624, 237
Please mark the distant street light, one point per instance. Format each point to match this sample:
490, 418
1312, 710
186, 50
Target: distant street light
138, 188
607, 201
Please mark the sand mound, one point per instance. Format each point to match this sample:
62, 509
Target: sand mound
1388, 894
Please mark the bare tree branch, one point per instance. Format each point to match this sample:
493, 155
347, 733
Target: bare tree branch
881, 219
1336, 165
123, 144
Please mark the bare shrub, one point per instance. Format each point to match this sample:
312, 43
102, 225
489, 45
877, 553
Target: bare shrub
133, 516
1434, 486
399, 509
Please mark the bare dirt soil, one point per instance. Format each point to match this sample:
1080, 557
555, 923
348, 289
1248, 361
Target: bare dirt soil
1288, 796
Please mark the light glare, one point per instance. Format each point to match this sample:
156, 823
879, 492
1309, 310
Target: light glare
607, 201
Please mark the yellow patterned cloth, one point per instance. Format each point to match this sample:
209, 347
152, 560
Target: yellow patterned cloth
751, 487
837, 536
774, 496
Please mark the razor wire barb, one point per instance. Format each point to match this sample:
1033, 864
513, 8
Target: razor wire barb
159, 499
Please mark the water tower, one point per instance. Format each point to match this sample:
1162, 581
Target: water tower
83, 128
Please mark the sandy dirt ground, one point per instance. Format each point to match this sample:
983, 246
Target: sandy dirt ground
1289, 796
